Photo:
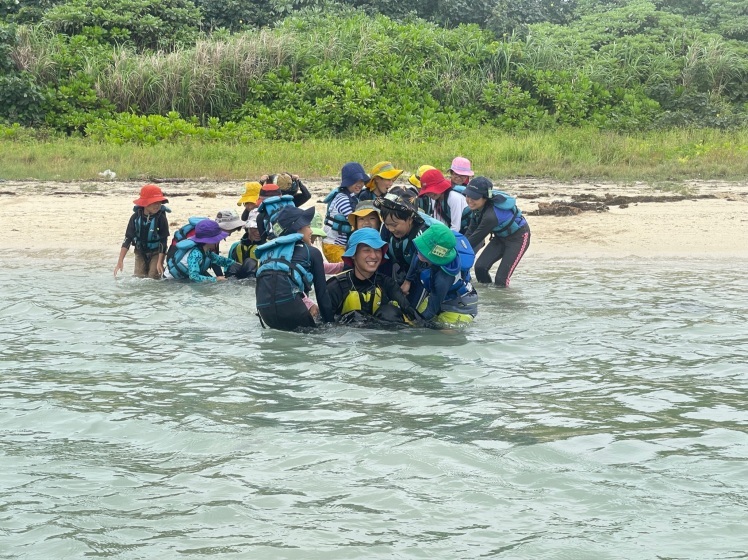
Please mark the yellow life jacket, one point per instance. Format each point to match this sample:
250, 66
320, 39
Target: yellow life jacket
366, 302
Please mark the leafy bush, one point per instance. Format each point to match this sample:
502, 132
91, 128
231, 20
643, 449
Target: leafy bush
145, 24
20, 99
26, 11
73, 103
127, 128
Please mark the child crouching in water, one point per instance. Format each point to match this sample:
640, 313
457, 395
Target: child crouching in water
148, 231
195, 255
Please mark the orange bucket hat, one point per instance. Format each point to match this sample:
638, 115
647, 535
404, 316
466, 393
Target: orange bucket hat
150, 194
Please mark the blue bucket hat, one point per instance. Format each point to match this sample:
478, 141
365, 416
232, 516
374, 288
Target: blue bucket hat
367, 236
351, 173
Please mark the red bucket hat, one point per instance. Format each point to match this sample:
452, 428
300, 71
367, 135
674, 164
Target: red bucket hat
433, 181
150, 194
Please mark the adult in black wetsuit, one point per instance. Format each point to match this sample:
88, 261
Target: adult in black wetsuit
362, 291
495, 213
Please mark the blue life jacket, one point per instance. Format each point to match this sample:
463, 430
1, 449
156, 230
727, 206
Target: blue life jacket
147, 235
447, 213
177, 263
509, 216
184, 231
268, 212
276, 255
339, 222
459, 267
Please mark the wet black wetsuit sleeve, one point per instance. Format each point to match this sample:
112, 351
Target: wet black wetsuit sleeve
129, 232
488, 221
335, 291
320, 285
302, 196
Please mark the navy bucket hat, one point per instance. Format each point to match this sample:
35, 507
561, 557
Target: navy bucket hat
351, 173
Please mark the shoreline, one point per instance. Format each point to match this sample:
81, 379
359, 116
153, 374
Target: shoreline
91, 216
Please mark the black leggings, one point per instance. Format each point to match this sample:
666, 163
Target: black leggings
507, 249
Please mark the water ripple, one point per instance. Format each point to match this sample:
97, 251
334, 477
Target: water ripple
596, 410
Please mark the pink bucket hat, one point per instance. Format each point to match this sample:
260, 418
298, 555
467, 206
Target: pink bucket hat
461, 166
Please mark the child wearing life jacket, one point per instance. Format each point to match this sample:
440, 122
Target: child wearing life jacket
460, 171
402, 223
341, 202
243, 251
289, 184
495, 213
289, 266
424, 203
383, 175
249, 198
449, 206
362, 291
451, 298
365, 215
271, 201
148, 231
195, 255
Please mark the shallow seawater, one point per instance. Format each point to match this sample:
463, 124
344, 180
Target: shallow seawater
595, 410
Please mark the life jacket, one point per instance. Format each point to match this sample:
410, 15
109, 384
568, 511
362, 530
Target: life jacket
402, 251
459, 268
444, 209
147, 233
426, 204
365, 302
242, 250
187, 230
339, 222
177, 262
267, 212
276, 255
509, 216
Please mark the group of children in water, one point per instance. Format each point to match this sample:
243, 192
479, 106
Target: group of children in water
394, 254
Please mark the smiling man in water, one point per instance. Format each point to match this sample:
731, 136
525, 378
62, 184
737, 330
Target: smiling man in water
362, 291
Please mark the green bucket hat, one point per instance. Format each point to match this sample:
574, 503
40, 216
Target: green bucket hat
437, 244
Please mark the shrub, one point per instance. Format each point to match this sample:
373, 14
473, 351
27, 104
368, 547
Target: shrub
145, 24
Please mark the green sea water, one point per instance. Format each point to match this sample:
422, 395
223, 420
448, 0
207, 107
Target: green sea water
594, 410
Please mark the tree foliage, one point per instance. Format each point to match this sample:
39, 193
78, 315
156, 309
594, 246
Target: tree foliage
145, 24
300, 68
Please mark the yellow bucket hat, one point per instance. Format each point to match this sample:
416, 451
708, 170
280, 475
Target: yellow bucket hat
363, 208
252, 191
415, 180
385, 170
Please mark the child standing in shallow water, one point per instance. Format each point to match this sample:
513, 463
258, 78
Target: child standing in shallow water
148, 231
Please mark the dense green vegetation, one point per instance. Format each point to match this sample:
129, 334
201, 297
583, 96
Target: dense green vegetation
147, 71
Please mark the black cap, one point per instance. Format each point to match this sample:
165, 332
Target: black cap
479, 187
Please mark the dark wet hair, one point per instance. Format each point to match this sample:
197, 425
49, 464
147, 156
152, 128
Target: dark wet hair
399, 213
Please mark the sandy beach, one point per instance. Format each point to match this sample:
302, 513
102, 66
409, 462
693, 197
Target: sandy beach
711, 222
